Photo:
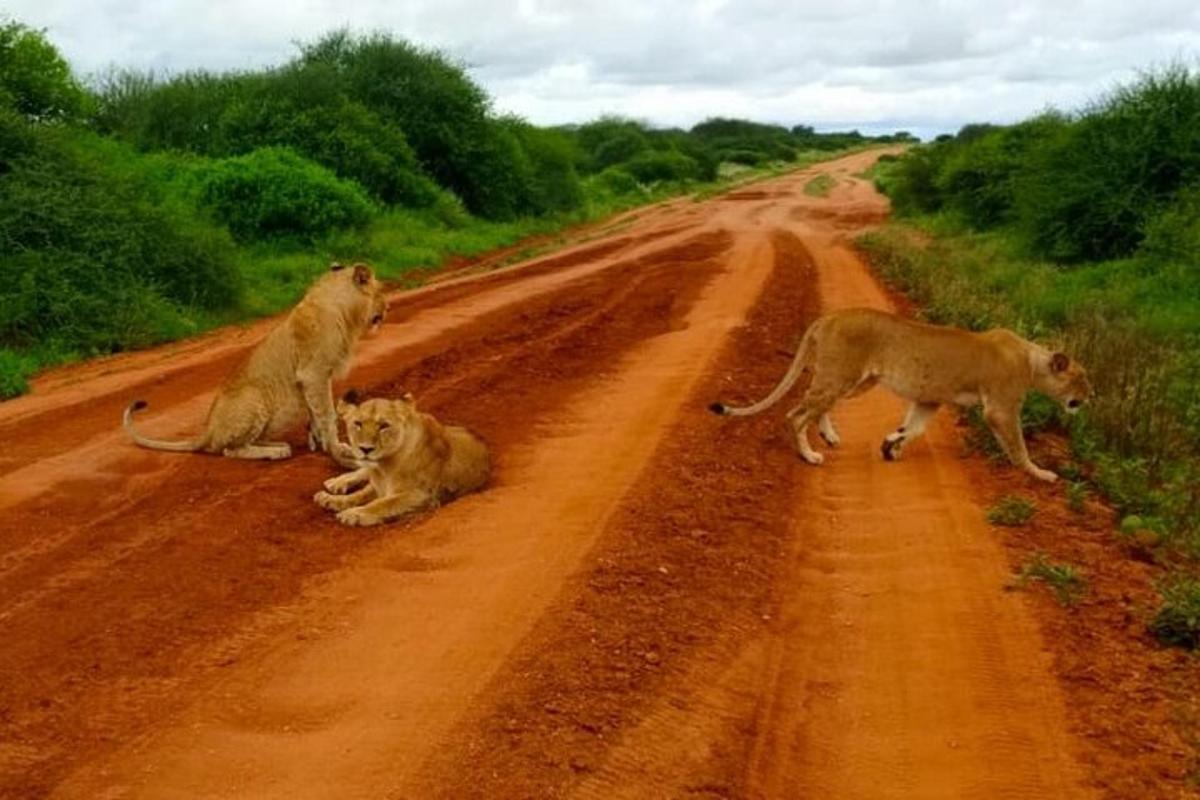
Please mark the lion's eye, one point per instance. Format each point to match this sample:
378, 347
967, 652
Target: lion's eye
358, 423
383, 426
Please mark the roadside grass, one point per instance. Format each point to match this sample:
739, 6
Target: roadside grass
1065, 580
1177, 621
1132, 323
820, 186
1077, 495
1011, 511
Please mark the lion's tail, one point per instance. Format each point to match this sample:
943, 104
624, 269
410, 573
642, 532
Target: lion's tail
155, 444
799, 362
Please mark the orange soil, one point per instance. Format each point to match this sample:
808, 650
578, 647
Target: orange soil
650, 601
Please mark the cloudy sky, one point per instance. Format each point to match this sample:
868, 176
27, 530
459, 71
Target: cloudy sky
921, 65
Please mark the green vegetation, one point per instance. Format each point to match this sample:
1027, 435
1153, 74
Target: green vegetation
1011, 511
1064, 580
1077, 495
1080, 230
1177, 621
148, 207
820, 186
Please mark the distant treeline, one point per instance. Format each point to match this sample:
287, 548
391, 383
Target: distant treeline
126, 206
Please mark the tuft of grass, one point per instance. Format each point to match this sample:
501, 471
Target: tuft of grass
1065, 580
14, 369
1177, 621
820, 186
1077, 495
1011, 511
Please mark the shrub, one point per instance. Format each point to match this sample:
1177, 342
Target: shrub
35, 80
617, 181
442, 113
273, 191
1011, 511
662, 166
1173, 235
553, 184
14, 369
97, 258
751, 158
300, 107
1089, 190
1177, 621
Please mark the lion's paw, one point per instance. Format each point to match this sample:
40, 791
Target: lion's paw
356, 516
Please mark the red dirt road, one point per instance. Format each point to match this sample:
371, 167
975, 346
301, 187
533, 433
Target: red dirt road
649, 602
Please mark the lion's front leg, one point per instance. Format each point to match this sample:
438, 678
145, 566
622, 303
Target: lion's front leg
341, 502
385, 509
1006, 425
342, 484
322, 421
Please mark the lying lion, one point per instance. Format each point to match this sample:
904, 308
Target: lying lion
408, 461
850, 351
289, 373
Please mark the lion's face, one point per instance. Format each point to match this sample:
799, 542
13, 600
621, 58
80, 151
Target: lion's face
1066, 381
365, 281
379, 428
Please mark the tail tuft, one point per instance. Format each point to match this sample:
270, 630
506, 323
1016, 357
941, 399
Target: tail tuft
718, 408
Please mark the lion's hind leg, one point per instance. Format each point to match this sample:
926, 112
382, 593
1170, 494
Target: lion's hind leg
269, 451
817, 403
827, 431
915, 420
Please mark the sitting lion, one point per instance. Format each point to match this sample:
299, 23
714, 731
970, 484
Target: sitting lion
407, 461
289, 373
850, 351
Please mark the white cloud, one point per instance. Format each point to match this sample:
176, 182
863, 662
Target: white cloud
926, 66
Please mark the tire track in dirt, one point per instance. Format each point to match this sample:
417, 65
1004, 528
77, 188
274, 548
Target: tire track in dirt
675, 576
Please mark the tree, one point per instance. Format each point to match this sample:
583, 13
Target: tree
35, 80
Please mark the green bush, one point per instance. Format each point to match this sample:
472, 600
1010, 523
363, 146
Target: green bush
662, 166
35, 81
300, 107
979, 174
1088, 191
274, 192
14, 369
553, 183
617, 181
442, 113
98, 258
1177, 621
1173, 235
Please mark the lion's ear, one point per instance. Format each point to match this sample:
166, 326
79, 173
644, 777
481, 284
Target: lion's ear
408, 398
362, 275
347, 403
1059, 362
